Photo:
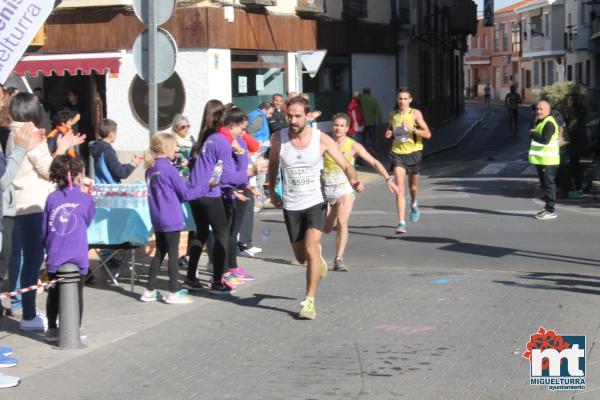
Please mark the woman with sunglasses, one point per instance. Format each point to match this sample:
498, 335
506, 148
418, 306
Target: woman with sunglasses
180, 128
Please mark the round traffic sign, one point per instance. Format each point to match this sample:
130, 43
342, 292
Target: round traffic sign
164, 10
166, 55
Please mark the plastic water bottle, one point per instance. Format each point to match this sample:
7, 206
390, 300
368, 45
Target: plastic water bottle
215, 179
266, 232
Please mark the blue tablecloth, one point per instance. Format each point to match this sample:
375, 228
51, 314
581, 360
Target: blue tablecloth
113, 226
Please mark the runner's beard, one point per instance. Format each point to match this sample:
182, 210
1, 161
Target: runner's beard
296, 130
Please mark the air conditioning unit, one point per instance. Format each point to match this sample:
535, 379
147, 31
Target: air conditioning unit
40, 38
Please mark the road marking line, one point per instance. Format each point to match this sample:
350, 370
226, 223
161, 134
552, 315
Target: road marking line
491, 169
529, 171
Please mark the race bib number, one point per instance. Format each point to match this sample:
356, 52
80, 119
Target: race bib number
301, 180
401, 134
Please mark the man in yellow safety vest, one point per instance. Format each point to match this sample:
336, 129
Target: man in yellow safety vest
543, 153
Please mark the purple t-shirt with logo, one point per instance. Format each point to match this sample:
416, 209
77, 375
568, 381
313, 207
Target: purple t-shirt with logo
67, 216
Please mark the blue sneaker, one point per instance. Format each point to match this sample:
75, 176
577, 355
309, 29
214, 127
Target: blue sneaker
401, 228
575, 194
415, 214
7, 362
5, 351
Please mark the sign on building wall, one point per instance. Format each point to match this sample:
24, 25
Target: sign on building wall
488, 12
20, 21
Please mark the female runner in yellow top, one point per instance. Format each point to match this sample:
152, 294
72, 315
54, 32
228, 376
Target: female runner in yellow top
338, 191
408, 128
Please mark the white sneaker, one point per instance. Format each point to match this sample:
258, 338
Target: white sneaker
39, 323
7, 381
246, 253
254, 250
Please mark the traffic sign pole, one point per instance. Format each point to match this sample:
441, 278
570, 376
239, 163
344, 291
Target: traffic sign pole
152, 85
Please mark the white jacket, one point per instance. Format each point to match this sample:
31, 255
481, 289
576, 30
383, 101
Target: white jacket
31, 184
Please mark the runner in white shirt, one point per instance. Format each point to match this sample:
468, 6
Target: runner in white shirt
298, 151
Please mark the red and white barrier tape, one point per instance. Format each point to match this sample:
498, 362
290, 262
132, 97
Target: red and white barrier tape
28, 289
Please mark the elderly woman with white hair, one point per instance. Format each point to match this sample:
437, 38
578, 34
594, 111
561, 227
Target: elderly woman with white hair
180, 128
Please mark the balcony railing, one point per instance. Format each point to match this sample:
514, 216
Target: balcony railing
579, 40
310, 6
537, 42
479, 53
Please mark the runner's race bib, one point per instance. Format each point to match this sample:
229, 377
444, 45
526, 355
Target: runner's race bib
301, 181
401, 134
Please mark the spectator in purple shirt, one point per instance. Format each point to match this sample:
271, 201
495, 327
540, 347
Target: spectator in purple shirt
166, 191
67, 215
213, 166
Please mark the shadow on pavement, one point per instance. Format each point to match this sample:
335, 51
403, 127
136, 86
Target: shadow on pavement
255, 301
558, 281
478, 211
498, 252
504, 188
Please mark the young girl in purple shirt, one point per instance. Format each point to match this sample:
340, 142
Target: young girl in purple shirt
166, 192
67, 215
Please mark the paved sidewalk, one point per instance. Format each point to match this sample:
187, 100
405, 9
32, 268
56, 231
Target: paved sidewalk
450, 135
412, 333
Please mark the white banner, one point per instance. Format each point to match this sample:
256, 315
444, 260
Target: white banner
20, 20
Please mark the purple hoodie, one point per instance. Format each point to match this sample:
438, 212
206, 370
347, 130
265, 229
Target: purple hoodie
166, 191
215, 148
241, 165
67, 215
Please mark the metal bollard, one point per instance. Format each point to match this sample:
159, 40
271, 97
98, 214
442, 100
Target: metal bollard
68, 313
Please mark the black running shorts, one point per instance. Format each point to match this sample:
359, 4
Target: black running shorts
410, 162
297, 222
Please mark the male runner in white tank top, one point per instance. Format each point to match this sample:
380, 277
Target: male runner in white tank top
298, 150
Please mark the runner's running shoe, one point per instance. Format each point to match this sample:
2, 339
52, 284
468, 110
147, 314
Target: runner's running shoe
338, 265
401, 228
307, 311
415, 214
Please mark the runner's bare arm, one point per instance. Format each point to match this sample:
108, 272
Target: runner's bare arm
390, 130
274, 169
328, 145
359, 150
422, 127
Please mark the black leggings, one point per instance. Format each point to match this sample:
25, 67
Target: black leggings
235, 210
209, 211
166, 243
247, 221
52, 302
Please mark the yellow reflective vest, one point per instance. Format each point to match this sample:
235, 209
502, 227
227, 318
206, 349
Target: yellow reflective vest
545, 154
